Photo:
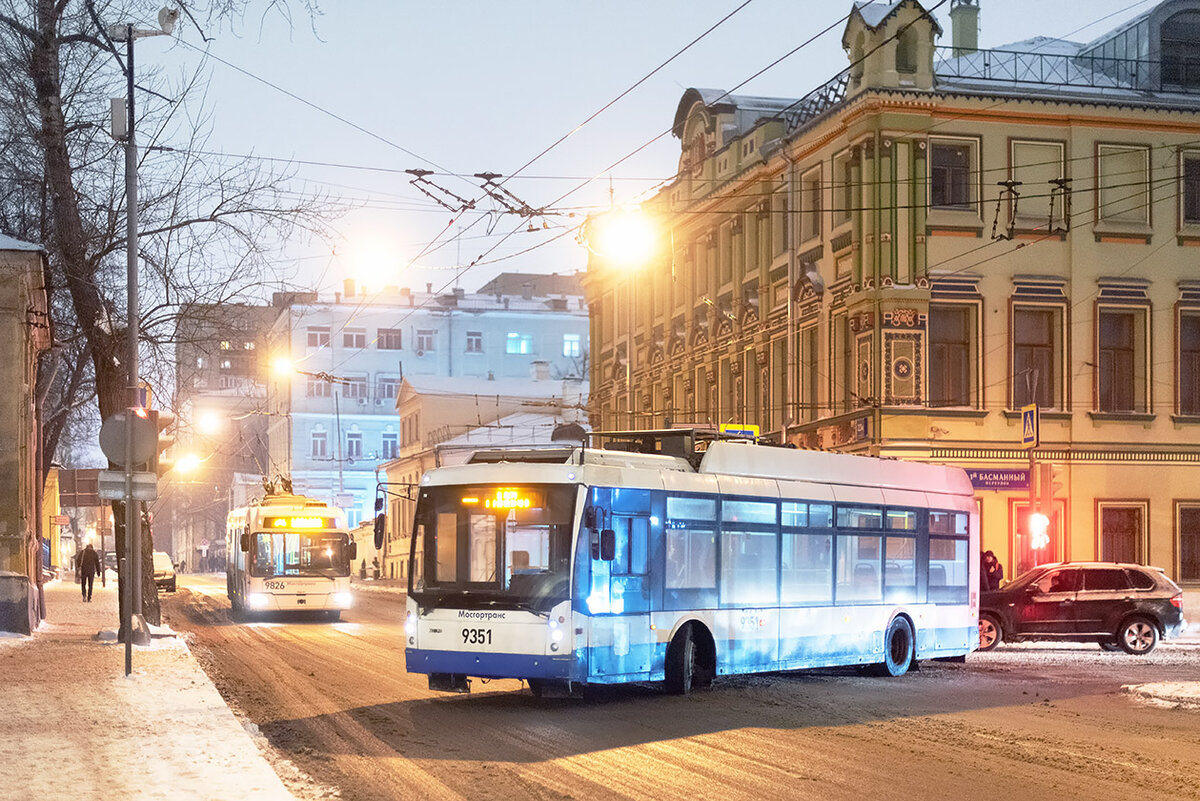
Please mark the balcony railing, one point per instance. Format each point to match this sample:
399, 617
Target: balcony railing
1068, 71
818, 101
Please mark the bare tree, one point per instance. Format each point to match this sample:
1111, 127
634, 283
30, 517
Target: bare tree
207, 229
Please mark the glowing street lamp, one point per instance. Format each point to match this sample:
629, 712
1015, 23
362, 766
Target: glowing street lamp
626, 240
208, 422
188, 463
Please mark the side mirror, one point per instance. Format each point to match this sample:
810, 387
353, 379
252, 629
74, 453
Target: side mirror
353, 550
608, 545
1033, 589
244, 543
380, 520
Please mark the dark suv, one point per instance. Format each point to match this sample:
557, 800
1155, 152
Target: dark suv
1116, 605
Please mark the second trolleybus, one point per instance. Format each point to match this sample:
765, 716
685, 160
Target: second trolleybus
691, 559
289, 553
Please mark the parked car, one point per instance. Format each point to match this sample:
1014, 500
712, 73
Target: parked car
1117, 605
164, 572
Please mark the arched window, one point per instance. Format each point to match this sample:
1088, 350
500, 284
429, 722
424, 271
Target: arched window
906, 51
857, 54
1180, 36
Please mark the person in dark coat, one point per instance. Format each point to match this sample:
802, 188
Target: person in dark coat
89, 568
993, 572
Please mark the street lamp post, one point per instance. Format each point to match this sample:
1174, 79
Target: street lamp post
133, 546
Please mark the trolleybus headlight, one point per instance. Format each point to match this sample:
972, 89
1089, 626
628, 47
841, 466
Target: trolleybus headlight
256, 600
343, 599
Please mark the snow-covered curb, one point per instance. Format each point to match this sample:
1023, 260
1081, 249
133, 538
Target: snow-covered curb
1173, 694
368, 586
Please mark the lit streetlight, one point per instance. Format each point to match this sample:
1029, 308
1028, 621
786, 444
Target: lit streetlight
624, 240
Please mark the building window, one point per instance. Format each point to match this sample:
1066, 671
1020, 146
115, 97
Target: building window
226, 364
200, 362
474, 342
320, 444
951, 167
779, 218
390, 445
248, 346
810, 205
1121, 361
572, 345
950, 355
906, 50
225, 344
425, 339
318, 336
1189, 363
521, 344
1180, 42
843, 185
1037, 165
1037, 338
355, 387
1189, 190
387, 387
1189, 542
1121, 529
316, 388
354, 338
388, 339
354, 445
1124, 184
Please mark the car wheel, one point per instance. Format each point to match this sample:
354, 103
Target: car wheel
172, 588
1110, 646
897, 648
990, 632
1138, 636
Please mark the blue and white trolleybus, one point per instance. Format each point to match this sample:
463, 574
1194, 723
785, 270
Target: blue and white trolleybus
674, 556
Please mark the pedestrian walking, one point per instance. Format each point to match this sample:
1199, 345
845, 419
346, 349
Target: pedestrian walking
89, 568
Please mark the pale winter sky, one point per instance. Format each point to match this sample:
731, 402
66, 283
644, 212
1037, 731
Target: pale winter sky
469, 86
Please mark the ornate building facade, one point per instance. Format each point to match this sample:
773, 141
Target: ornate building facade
900, 261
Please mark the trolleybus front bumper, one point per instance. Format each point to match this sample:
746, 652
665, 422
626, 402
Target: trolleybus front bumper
492, 666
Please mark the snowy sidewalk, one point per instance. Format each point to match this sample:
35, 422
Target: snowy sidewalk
83, 729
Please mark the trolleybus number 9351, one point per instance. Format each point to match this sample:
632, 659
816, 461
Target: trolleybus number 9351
477, 636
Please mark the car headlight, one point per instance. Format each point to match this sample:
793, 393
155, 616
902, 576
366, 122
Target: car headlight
256, 600
343, 599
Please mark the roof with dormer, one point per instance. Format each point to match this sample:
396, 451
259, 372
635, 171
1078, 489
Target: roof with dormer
874, 15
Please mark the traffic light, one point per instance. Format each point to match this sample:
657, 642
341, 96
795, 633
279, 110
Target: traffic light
159, 462
1039, 530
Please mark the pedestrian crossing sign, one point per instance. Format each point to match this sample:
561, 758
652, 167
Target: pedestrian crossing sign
1029, 426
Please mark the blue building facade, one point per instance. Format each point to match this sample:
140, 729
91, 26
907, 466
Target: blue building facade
333, 417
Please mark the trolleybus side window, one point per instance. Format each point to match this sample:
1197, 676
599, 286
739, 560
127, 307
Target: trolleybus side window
900, 569
807, 557
948, 556
859, 557
749, 552
691, 543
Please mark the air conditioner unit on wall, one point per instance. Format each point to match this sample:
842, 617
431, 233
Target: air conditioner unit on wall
362, 401
379, 401
420, 353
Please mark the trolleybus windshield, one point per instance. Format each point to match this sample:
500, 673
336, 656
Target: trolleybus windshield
295, 553
502, 546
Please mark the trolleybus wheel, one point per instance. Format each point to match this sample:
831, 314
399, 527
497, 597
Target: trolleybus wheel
990, 632
897, 648
681, 662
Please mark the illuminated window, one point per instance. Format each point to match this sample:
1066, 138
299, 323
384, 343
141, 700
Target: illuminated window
572, 345
516, 343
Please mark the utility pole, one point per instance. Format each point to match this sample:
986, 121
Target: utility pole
133, 540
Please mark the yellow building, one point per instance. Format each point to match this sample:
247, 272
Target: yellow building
901, 260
